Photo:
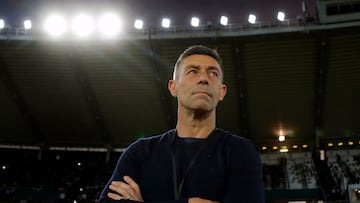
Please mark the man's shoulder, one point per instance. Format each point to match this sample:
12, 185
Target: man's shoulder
163, 137
238, 145
231, 138
229, 135
150, 144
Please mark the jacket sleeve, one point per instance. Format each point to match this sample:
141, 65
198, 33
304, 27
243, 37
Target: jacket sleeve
244, 180
129, 164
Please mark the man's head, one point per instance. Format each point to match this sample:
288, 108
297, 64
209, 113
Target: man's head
197, 81
197, 49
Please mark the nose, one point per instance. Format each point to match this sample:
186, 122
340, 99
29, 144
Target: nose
203, 78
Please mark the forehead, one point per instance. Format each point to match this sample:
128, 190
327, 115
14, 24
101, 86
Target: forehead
200, 60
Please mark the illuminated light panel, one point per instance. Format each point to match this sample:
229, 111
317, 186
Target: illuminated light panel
264, 148
340, 144
304, 146
330, 144
55, 25
283, 150
322, 155
27, 24
281, 138
295, 146
138, 24
165, 22
82, 25
350, 143
252, 19
224, 20
275, 148
195, 22
281, 16
2, 23
109, 25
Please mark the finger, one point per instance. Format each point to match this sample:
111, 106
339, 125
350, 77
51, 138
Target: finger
136, 191
120, 184
114, 196
132, 183
119, 189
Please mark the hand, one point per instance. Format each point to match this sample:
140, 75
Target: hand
200, 200
125, 190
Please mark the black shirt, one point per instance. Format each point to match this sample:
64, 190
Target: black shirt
227, 170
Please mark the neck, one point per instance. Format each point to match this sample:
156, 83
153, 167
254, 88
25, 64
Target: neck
195, 124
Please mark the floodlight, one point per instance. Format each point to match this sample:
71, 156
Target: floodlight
165, 22
223, 20
139, 24
55, 25
2, 23
281, 16
284, 150
27, 24
110, 24
252, 19
82, 25
195, 21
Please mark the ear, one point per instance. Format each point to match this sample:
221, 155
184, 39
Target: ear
223, 92
172, 88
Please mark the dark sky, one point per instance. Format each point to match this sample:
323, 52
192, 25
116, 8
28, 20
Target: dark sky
152, 11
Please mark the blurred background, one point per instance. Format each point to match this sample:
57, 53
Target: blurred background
81, 80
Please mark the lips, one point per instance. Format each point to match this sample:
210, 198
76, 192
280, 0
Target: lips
202, 91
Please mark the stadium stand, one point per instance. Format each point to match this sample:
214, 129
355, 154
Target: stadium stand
78, 176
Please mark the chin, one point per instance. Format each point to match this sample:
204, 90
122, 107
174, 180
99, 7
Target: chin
203, 108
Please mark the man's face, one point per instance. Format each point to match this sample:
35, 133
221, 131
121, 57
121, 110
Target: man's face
199, 83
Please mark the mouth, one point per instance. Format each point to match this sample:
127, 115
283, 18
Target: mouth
203, 93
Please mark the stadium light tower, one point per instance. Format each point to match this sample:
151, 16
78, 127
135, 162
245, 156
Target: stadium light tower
281, 135
110, 25
195, 21
165, 22
82, 25
252, 19
224, 20
27, 24
2, 23
139, 24
281, 16
55, 25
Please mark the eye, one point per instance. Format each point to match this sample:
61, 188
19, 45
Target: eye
192, 71
214, 74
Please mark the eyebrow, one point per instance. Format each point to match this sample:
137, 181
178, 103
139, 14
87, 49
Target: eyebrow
214, 68
198, 67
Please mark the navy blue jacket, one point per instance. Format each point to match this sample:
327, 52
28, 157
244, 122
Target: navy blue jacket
228, 169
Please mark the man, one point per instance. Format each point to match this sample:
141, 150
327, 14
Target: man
196, 162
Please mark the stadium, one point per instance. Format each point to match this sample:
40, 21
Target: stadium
73, 96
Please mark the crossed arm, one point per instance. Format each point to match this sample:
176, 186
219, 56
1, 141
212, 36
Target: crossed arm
130, 190
243, 180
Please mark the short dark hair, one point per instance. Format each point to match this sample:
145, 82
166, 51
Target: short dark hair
196, 49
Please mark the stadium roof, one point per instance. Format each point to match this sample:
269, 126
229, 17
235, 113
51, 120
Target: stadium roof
300, 78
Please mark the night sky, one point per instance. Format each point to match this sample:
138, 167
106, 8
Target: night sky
152, 11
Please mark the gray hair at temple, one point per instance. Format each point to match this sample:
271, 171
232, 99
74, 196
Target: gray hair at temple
197, 49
